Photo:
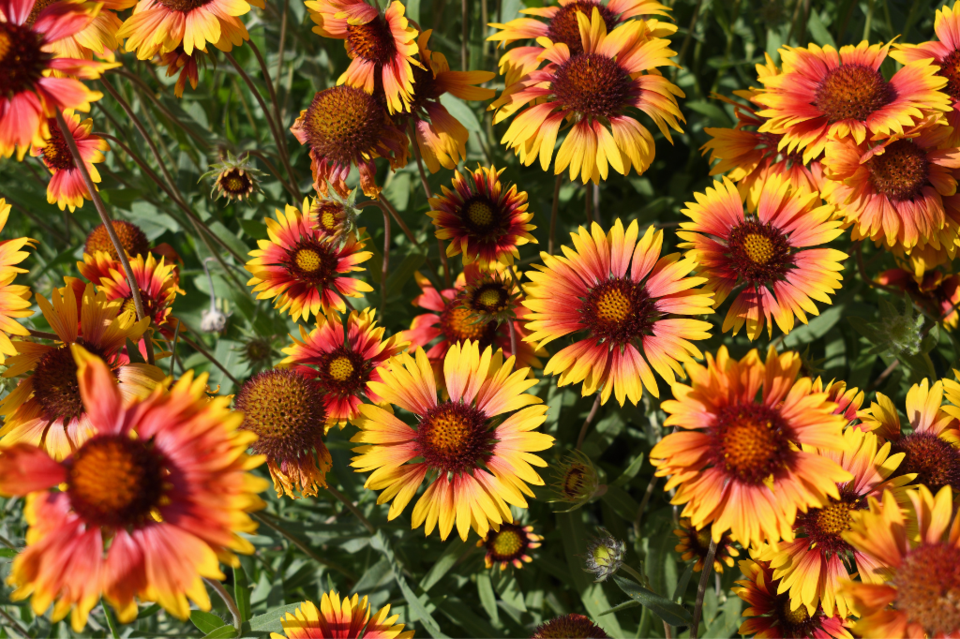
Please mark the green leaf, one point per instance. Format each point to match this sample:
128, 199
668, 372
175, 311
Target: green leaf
684, 582
223, 632
670, 611
270, 620
256, 229
241, 592
626, 605
716, 115
487, 597
455, 550
818, 31
8, 552
206, 621
229, 237
380, 542
630, 472
459, 109
621, 502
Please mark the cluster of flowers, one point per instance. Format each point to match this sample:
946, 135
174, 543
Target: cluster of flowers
843, 516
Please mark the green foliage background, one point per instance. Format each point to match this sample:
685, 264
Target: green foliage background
442, 588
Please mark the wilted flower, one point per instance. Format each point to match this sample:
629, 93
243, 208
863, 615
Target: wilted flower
605, 555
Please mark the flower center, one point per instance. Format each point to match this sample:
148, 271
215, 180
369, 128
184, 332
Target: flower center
235, 183
132, 239
793, 618
341, 372
825, 526
453, 438
564, 27
900, 172
482, 217
928, 588
340, 368
480, 214
853, 92
935, 461
286, 411
372, 41
56, 154
308, 260
55, 386
619, 311
573, 481
751, 441
116, 481
759, 252
184, 6
343, 123
22, 59
490, 298
506, 544
328, 214
950, 69
460, 324
592, 85
38, 7
313, 263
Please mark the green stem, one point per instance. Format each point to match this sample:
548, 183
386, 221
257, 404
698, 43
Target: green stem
228, 600
343, 499
702, 588
111, 622
263, 519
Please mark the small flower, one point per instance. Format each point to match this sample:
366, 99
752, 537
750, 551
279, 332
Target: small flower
695, 544
182, 64
348, 618
159, 286
236, 180
482, 219
575, 480
605, 555
285, 410
67, 188
492, 296
509, 545
569, 627
334, 215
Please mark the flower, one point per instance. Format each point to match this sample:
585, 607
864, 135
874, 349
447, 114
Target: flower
562, 26
14, 298
302, 269
917, 580
848, 400
66, 187
605, 555
235, 178
183, 65
99, 38
29, 93
286, 411
593, 90
813, 566
335, 216
482, 220
441, 138
343, 362
345, 127
455, 319
160, 26
932, 450
482, 464
46, 408
569, 627
381, 47
825, 94
575, 480
736, 461
771, 616
696, 544
132, 239
944, 53
158, 283
257, 351
628, 318
899, 191
937, 293
769, 251
145, 511
340, 619
749, 157
509, 545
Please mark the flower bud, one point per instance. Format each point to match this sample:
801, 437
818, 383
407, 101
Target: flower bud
604, 555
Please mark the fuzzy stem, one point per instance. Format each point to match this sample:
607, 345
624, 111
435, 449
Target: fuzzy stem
228, 600
702, 587
108, 225
213, 360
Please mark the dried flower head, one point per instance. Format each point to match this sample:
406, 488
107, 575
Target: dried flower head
605, 555
236, 180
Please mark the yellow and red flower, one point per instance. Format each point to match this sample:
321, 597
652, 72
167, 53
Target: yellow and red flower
627, 302
459, 315
695, 544
343, 363
300, 267
848, 400
478, 446
348, 618
66, 187
768, 251
511, 544
286, 411
901, 191
183, 65
144, 511
481, 220
937, 293
35, 82
597, 91
158, 283
344, 127
813, 566
914, 590
99, 38
14, 298
945, 54
381, 47
824, 94
442, 139
157, 27
45, 409
736, 460
770, 615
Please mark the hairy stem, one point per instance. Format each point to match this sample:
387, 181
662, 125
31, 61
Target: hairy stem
228, 600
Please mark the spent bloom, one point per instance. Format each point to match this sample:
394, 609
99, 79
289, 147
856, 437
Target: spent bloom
605, 555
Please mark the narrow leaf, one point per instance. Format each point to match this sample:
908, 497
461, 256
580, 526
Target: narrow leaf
670, 611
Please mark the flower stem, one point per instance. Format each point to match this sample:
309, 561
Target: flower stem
586, 424
263, 519
553, 213
108, 225
13, 625
343, 499
702, 587
227, 599
633, 573
213, 360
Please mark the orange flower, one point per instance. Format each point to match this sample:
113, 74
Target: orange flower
66, 187
160, 26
